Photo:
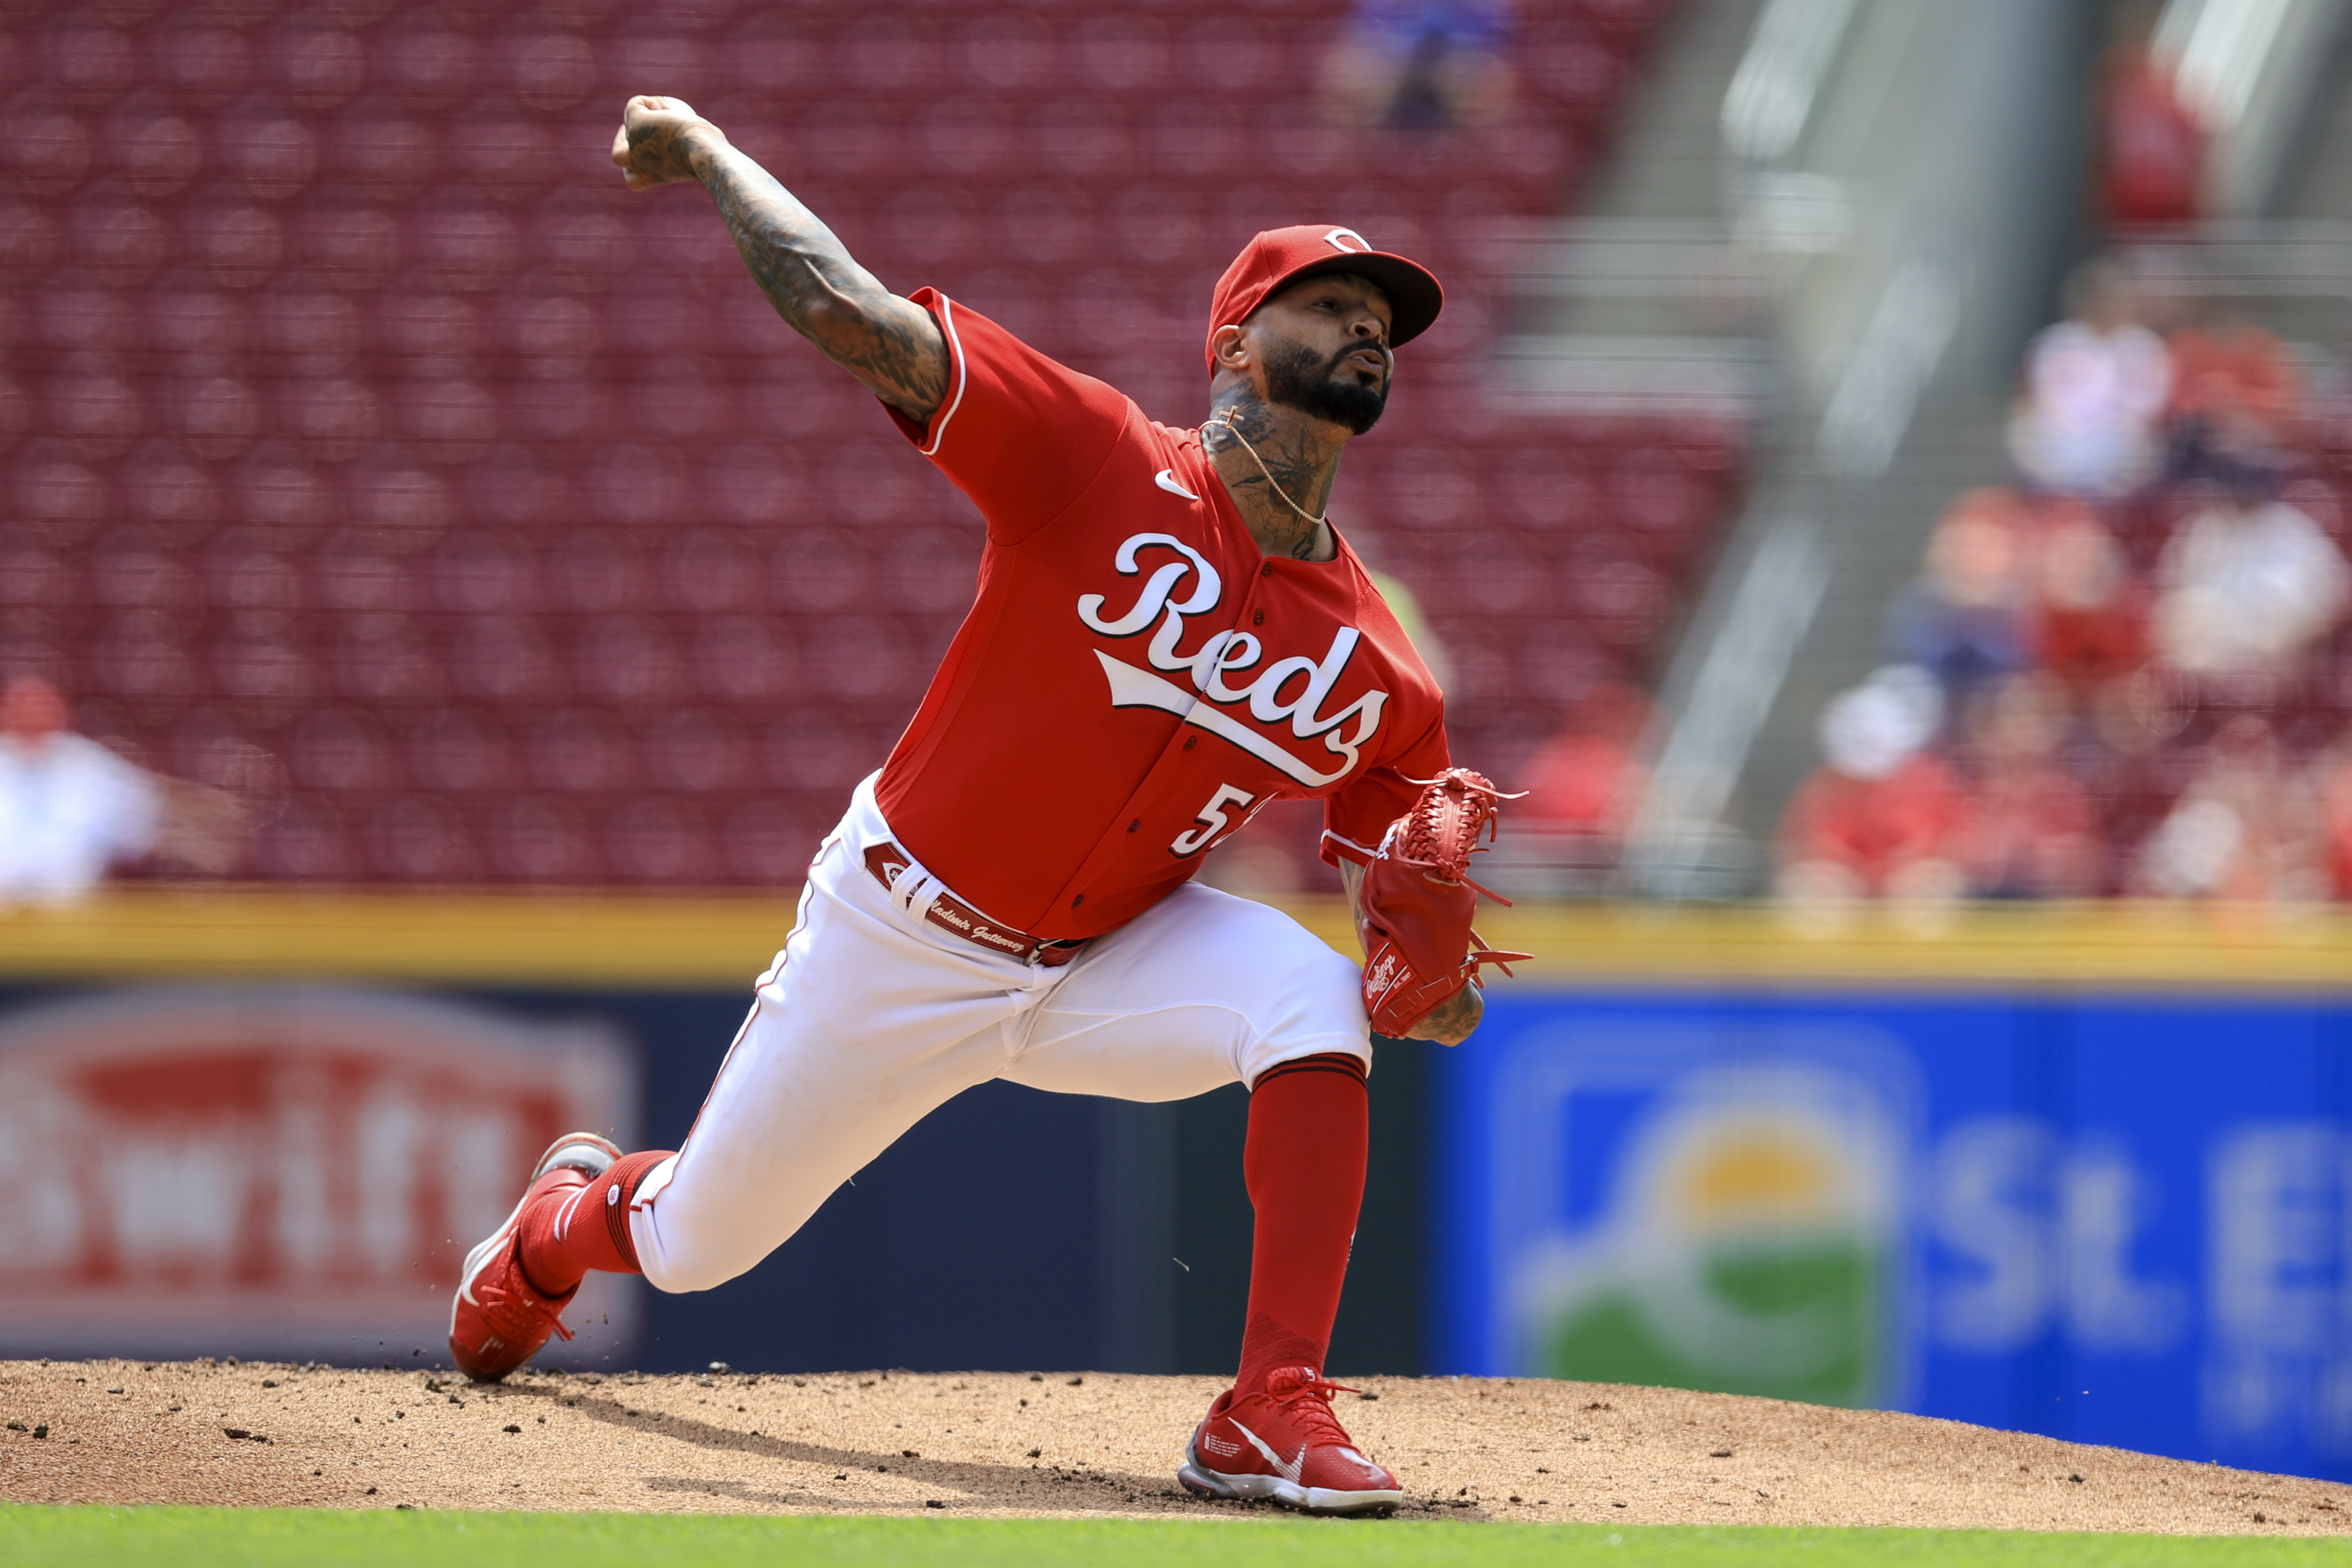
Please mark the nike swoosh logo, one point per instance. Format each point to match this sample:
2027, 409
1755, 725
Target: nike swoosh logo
1166, 480
1288, 1472
571, 1206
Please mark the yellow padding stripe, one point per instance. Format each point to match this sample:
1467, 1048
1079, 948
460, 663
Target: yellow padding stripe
617, 941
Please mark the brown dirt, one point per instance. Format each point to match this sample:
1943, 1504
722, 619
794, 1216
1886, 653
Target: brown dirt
1003, 1444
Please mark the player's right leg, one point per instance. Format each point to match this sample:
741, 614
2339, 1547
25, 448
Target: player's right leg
868, 1020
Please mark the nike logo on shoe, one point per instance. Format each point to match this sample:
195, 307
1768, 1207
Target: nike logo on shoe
482, 1256
1166, 480
1288, 1472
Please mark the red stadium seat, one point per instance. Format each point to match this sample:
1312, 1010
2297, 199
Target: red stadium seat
420, 837
770, 841
308, 842
812, 749
386, 660
580, 752
861, 658
819, 569
542, 839
698, 751
260, 658
1495, 576
131, 566
340, 750
628, 659
660, 839
32, 574
705, 570
748, 660
461, 751
1089, 139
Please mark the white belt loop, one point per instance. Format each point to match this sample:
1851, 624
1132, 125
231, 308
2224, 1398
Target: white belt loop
914, 892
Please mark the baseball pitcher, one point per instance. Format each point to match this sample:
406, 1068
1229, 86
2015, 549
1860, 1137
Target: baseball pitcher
1168, 636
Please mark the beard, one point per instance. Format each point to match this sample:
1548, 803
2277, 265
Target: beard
1296, 379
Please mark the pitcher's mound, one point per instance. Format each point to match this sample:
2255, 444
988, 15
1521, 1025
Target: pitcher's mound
997, 1443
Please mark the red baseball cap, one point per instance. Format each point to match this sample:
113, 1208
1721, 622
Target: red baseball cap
1279, 258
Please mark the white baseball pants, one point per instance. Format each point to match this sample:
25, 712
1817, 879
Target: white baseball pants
871, 1017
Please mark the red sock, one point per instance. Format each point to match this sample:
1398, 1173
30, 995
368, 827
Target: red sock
574, 1229
1309, 1127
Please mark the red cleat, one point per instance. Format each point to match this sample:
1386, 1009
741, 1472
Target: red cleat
1286, 1445
499, 1319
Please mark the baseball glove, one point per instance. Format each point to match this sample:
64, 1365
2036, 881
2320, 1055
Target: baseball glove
1417, 902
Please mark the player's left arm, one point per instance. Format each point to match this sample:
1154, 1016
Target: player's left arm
1453, 1021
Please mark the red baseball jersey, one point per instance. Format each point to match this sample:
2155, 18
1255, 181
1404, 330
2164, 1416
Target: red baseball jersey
1136, 679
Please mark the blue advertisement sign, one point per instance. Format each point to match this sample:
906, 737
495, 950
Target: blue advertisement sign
2121, 1220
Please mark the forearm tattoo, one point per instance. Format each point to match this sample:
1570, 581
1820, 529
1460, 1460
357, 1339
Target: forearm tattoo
890, 344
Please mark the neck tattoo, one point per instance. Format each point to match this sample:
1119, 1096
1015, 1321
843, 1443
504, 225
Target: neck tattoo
1226, 419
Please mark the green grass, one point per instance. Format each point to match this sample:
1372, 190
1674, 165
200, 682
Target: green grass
35, 1537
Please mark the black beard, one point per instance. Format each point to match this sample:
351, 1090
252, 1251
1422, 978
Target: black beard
1296, 379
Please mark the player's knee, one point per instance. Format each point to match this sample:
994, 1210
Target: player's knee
676, 1264
680, 1276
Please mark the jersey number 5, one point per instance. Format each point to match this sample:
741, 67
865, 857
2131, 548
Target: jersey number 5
1212, 819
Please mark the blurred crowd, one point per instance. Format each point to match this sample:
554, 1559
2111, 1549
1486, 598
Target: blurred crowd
2124, 672
71, 808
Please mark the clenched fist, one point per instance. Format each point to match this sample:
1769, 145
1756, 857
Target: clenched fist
658, 139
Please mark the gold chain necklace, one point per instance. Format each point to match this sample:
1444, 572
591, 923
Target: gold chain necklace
1226, 419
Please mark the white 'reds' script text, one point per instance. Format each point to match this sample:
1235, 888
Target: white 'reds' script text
1225, 654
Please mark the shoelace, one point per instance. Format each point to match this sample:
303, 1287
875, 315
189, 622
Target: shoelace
1308, 1401
513, 1309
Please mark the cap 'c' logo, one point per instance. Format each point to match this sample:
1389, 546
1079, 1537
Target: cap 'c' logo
1347, 240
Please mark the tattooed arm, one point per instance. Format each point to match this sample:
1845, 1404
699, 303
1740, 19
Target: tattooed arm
890, 344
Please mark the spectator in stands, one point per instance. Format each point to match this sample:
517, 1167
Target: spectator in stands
2086, 620
1421, 64
2087, 418
1882, 817
2128, 755
2153, 155
2246, 589
2031, 831
1585, 783
70, 806
2245, 830
2235, 396
2332, 792
1962, 621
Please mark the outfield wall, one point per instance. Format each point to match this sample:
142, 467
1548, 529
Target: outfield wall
197, 1081
2077, 1171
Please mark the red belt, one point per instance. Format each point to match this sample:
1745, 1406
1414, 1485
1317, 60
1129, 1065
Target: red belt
888, 862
